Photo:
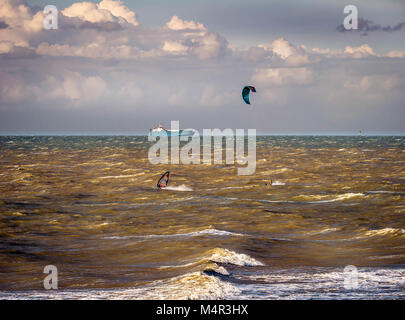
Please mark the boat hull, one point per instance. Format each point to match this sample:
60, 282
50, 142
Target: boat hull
171, 133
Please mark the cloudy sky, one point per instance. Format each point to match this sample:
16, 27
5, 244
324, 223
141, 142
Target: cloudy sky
125, 66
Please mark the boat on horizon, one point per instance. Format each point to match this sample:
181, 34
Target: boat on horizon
161, 131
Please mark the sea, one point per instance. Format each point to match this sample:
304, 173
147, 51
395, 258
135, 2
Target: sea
322, 217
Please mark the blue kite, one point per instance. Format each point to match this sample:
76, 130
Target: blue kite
245, 93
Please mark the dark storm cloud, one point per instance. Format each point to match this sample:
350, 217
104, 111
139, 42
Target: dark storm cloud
3, 25
366, 26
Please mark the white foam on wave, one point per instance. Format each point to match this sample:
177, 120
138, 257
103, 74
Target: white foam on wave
182, 187
213, 232
194, 285
326, 283
323, 231
221, 255
292, 283
278, 183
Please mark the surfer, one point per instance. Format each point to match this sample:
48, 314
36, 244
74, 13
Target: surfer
163, 181
269, 184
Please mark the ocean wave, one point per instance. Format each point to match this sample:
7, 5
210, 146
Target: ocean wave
323, 231
122, 176
393, 232
303, 199
275, 171
326, 283
384, 192
221, 255
320, 283
194, 285
340, 197
184, 265
225, 188
178, 188
212, 232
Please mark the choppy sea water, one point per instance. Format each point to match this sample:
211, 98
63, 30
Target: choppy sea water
88, 206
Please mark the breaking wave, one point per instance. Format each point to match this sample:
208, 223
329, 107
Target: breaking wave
212, 232
230, 257
182, 187
340, 197
321, 283
278, 183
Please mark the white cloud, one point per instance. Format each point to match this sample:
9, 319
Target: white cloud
280, 46
118, 9
6, 47
359, 52
209, 46
17, 15
396, 54
178, 24
14, 12
291, 55
105, 11
195, 40
180, 63
90, 30
174, 47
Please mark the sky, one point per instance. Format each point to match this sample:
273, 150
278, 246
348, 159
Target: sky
125, 66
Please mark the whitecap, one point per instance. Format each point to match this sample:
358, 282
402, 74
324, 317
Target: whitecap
340, 197
213, 232
178, 188
278, 183
221, 255
381, 232
326, 230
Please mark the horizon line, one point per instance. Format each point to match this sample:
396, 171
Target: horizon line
134, 133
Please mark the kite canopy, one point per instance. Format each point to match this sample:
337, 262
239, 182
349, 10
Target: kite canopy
164, 180
245, 93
